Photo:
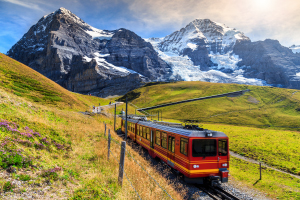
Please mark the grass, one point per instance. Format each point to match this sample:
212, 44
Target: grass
262, 124
262, 106
276, 148
275, 184
66, 148
25, 82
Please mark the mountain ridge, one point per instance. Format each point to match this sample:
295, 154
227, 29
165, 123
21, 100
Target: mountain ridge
88, 60
50, 46
205, 50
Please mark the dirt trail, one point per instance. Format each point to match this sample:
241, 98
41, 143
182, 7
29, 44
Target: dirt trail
97, 109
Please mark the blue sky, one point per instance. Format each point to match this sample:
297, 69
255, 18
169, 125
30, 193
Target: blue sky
258, 19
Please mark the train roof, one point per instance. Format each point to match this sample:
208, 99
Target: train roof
181, 131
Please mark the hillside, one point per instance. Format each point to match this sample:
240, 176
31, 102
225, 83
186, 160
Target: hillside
262, 106
49, 150
251, 122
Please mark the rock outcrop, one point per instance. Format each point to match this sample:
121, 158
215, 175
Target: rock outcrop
270, 61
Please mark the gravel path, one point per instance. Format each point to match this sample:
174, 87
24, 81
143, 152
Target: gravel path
32, 189
98, 109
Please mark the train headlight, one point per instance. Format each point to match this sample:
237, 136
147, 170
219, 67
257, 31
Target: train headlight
209, 134
195, 166
224, 165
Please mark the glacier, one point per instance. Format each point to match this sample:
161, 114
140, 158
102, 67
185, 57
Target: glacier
183, 67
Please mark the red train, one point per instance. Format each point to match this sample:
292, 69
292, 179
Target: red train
197, 153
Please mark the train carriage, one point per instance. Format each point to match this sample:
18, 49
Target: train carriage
197, 154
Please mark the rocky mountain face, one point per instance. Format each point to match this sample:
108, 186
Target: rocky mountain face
209, 51
84, 59
270, 61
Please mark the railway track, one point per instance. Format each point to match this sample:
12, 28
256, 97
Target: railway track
217, 193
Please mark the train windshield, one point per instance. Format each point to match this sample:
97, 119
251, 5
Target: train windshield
204, 148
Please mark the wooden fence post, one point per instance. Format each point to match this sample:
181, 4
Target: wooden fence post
115, 117
122, 160
260, 171
108, 145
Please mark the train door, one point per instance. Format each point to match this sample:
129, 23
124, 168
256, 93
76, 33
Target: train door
151, 151
223, 158
171, 150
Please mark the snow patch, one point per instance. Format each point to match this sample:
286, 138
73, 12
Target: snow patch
100, 59
225, 61
192, 46
99, 34
88, 59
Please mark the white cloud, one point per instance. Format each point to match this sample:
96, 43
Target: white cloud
30, 5
276, 19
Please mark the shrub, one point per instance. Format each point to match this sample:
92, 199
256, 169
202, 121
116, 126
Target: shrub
51, 173
24, 177
8, 186
12, 158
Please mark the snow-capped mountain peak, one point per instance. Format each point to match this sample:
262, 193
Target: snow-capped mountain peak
215, 36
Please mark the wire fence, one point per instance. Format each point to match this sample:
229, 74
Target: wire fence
139, 108
122, 166
125, 174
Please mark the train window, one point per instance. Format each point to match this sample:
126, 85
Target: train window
141, 130
183, 146
148, 133
164, 140
171, 146
128, 126
222, 147
144, 132
133, 128
157, 141
204, 148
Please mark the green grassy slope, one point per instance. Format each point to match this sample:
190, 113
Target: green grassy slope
25, 82
261, 106
48, 142
256, 116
